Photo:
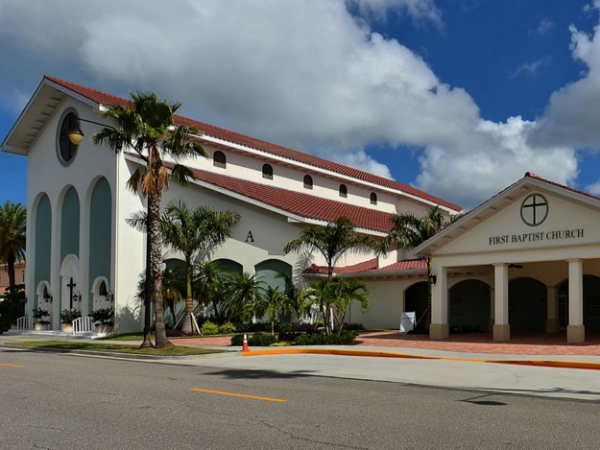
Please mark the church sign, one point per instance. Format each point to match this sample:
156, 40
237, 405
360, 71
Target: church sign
534, 211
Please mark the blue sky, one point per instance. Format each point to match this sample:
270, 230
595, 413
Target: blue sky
457, 97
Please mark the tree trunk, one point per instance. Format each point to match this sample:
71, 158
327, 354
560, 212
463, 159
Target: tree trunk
189, 326
156, 241
148, 286
10, 261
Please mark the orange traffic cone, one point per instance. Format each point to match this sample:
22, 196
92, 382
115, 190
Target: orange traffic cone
245, 347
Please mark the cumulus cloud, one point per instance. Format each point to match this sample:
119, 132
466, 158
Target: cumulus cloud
545, 26
308, 74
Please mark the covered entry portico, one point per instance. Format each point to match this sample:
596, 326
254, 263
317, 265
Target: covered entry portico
534, 230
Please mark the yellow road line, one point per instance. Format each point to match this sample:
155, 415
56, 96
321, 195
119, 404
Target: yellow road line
18, 366
233, 394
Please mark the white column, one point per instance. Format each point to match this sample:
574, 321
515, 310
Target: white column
439, 306
501, 326
575, 329
552, 325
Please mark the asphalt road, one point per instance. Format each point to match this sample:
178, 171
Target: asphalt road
60, 401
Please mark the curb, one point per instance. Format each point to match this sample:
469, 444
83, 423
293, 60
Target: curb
381, 354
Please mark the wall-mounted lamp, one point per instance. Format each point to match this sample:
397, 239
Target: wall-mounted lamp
47, 297
76, 296
110, 296
432, 278
75, 134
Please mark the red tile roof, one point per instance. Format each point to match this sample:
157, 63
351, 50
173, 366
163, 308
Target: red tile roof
221, 133
300, 204
370, 267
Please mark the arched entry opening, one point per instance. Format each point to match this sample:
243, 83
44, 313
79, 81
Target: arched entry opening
269, 272
591, 303
527, 305
70, 295
43, 300
415, 300
469, 306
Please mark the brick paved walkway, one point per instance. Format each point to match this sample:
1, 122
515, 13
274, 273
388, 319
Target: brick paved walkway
520, 343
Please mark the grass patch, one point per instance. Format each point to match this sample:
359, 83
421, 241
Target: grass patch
119, 348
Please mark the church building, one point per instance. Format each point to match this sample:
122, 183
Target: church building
526, 260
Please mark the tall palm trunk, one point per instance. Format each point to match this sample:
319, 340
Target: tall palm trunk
10, 261
188, 321
156, 241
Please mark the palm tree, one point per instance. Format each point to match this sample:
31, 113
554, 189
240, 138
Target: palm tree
210, 283
332, 241
13, 222
146, 126
244, 291
271, 304
409, 231
173, 286
195, 232
344, 291
293, 295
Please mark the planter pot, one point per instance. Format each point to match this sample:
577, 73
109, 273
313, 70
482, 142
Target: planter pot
37, 326
67, 327
104, 328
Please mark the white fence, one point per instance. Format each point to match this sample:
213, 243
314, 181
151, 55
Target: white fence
23, 323
83, 325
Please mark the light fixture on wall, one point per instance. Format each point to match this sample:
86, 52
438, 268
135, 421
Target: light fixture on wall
47, 297
109, 296
76, 296
75, 134
432, 278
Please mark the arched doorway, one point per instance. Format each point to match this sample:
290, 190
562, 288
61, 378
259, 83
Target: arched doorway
527, 305
469, 306
415, 300
591, 303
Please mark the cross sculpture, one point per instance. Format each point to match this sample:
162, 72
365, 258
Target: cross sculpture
71, 285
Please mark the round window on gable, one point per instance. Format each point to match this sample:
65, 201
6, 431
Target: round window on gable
267, 171
308, 182
343, 191
65, 148
219, 159
373, 198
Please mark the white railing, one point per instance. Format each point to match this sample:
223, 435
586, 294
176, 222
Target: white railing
23, 323
82, 325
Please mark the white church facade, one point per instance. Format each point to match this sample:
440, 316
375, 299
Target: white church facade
500, 268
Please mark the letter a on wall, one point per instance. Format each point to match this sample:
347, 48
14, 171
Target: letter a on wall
249, 238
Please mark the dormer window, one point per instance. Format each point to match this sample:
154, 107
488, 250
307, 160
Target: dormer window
267, 171
308, 182
219, 160
343, 191
373, 198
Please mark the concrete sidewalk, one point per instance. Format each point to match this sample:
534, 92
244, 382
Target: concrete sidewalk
557, 376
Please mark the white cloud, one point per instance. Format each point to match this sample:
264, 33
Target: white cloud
531, 69
545, 26
306, 74
571, 117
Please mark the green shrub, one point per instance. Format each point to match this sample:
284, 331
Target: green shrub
238, 339
227, 328
346, 338
303, 339
353, 326
209, 328
284, 327
262, 339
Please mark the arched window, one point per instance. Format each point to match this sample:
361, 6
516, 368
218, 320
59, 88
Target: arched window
102, 289
343, 191
373, 198
219, 159
308, 182
267, 171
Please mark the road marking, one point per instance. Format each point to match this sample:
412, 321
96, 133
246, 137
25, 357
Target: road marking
18, 366
233, 394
